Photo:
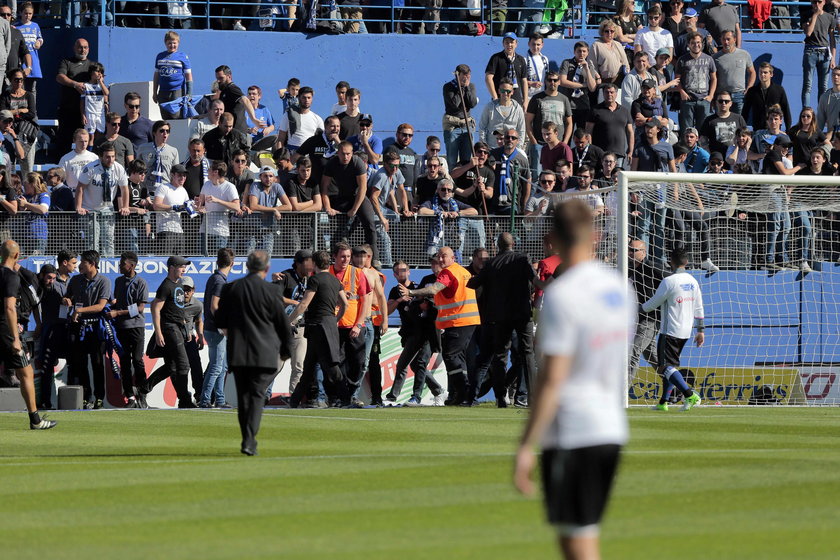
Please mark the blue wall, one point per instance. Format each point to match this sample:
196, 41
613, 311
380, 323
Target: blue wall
400, 75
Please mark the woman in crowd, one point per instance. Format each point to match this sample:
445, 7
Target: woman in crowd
627, 23
805, 136
36, 201
607, 54
21, 104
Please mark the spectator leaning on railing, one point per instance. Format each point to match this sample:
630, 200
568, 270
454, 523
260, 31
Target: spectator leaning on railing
169, 202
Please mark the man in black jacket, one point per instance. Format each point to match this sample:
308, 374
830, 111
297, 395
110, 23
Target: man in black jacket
645, 279
224, 140
506, 279
258, 332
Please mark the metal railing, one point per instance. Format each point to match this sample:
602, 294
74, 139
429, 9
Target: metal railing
485, 17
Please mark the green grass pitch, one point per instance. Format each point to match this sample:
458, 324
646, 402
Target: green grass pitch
407, 483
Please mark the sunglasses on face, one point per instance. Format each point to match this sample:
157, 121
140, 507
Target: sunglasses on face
240, 160
553, 80
133, 106
163, 131
434, 165
724, 101
506, 91
407, 134
547, 181
509, 137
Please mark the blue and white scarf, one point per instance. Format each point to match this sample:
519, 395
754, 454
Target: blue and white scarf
205, 168
439, 207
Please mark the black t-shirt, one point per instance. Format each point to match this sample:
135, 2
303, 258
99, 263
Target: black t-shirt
810, 196
78, 71
293, 285
721, 131
349, 125
425, 189
408, 317
326, 288
172, 295
231, 96
343, 185
770, 160
609, 131
195, 179
502, 67
315, 147
302, 193
466, 180
136, 193
803, 143
9, 287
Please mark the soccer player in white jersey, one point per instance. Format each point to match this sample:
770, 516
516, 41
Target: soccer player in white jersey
682, 309
578, 416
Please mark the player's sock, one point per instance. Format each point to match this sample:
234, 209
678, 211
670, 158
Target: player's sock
675, 377
34, 418
667, 387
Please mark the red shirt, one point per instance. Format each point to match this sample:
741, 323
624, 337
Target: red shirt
545, 270
447, 279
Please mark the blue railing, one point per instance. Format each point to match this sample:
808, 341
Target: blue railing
578, 20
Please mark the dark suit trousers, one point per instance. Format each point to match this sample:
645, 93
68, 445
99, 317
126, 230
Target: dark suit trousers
251, 385
502, 332
133, 369
318, 352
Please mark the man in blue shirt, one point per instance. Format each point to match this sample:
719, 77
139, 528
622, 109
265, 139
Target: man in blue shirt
260, 131
173, 75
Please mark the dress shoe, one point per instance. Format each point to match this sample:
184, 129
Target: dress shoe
249, 451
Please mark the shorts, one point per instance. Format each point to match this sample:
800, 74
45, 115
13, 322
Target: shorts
10, 359
577, 483
669, 348
95, 123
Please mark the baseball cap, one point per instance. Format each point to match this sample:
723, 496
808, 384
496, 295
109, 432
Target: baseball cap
690, 12
268, 169
662, 51
6, 116
650, 84
509, 35
366, 117
653, 123
187, 282
782, 140
178, 168
498, 132
177, 260
716, 155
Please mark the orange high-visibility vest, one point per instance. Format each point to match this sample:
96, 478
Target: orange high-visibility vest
350, 282
460, 310
375, 312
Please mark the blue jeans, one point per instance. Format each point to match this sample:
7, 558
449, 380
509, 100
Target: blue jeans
778, 230
802, 219
211, 243
458, 144
475, 225
693, 113
383, 238
99, 231
214, 377
737, 102
819, 61
266, 241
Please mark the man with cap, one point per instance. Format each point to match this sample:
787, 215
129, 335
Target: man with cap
681, 39
193, 311
697, 157
170, 325
508, 64
213, 386
267, 199
170, 200
719, 129
366, 141
293, 281
258, 334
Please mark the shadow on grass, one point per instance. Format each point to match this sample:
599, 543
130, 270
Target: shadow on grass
222, 454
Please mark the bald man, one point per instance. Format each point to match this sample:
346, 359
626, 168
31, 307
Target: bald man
72, 74
12, 353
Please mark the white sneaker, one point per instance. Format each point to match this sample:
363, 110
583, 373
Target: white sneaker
438, 399
709, 266
237, 26
805, 267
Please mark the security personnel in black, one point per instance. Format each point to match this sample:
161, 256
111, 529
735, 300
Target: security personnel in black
258, 332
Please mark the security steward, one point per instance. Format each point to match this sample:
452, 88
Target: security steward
457, 318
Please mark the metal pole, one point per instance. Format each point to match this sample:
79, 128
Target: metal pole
621, 256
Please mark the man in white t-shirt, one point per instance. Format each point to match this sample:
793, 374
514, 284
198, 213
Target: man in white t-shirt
586, 323
73, 162
170, 200
217, 198
682, 309
99, 184
299, 123
653, 37
200, 127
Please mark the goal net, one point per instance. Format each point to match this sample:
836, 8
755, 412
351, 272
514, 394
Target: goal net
765, 252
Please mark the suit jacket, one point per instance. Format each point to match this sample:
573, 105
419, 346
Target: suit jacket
258, 330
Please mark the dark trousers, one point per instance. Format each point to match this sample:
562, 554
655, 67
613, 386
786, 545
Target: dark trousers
196, 371
374, 370
54, 344
454, 344
176, 364
365, 216
132, 368
479, 353
80, 351
502, 330
251, 385
318, 352
353, 354
416, 353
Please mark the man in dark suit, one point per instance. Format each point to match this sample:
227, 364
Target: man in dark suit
251, 316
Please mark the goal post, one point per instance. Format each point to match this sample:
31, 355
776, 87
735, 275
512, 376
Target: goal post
764, 249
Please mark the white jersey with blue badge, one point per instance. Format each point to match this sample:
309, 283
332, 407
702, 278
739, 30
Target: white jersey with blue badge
682, 304
589, 313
